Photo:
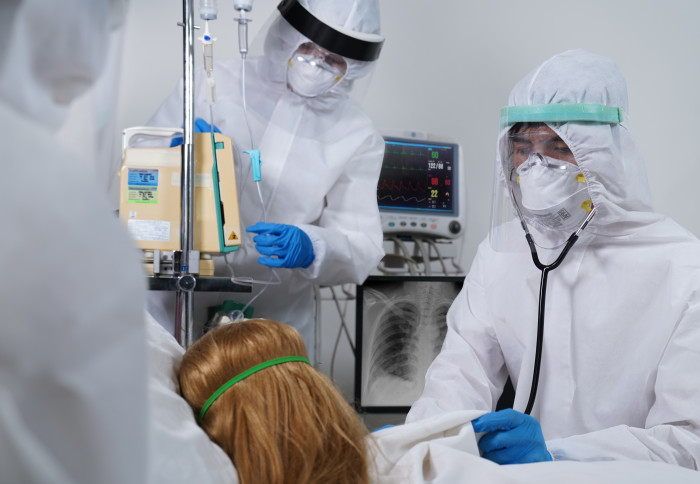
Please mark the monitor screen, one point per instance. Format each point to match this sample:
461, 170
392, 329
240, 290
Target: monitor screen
418, 188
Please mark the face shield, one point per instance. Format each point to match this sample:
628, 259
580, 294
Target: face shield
322, 50
539, 185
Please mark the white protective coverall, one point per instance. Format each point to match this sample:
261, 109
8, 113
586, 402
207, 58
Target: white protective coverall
619, 377
321, 159
73, 390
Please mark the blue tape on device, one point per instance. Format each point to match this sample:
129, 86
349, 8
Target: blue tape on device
255, 162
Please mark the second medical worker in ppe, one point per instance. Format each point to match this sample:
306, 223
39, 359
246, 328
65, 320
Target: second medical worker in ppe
320, 154
621, 340
73, 389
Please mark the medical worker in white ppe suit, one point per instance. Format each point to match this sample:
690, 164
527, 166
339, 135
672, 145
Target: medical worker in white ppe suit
621, 337
320, 153
73, 390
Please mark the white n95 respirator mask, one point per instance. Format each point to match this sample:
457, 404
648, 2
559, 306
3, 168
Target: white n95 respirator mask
553, 192
310, 76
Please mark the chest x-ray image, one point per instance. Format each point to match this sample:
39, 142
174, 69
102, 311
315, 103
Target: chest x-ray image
400, 329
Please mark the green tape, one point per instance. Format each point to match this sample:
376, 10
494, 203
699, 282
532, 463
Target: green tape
223, 248
560, 113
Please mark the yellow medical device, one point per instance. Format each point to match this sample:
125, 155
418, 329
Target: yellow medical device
149, 201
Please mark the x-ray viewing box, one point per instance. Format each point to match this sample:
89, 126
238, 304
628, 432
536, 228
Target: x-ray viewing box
420, 189
400, 327
150, 197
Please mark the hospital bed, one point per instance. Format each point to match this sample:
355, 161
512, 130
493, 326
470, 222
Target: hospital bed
441, 450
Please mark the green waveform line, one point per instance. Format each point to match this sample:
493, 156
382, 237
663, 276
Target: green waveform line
422, 154
401, 197
402, 168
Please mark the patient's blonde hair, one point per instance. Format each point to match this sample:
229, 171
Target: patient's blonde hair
284, 424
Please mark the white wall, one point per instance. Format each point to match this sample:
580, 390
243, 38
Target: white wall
447, 67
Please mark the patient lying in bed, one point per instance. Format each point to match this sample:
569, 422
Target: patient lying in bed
279, 421
441, 450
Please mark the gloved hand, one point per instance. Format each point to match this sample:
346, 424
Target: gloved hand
291, 246
511, 437
200, 126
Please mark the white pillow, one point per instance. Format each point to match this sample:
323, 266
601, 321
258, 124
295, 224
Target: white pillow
180, 451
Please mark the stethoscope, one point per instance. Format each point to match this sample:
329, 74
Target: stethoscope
545, 270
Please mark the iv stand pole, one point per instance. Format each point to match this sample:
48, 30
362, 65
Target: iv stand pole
186, 281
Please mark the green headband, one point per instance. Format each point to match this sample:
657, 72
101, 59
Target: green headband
246, 374
559, 113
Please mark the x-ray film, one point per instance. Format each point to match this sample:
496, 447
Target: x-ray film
401, 324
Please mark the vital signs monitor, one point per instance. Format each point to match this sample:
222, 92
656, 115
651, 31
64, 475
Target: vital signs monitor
419, 189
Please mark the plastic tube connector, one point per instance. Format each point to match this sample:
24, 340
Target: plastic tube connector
246, 5
255, 163
207, 41
208, 54
242, 33
210, 95
208, 9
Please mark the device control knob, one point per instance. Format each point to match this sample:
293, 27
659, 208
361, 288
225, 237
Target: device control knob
186, 282
454, 227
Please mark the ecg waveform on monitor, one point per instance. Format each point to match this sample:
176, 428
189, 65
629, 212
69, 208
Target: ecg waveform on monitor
404, 151
402, 198
399, 190
402, 187
415, 177
403, 168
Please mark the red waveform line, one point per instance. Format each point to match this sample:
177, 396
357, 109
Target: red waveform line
401, 186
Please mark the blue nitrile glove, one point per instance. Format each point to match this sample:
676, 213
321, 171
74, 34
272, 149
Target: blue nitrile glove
511, 437
200, 126
291, 246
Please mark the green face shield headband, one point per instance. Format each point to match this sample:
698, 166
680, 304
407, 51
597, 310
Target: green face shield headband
560, 113
246, 374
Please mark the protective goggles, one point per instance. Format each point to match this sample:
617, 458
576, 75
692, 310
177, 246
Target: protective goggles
529, 144
538, 159
318, 57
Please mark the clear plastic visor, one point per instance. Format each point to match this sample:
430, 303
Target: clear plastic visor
530, 140
279, 42
538, 184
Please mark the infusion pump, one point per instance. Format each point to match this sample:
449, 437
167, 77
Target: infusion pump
149, 198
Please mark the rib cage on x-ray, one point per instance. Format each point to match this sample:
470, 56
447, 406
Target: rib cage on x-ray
404, 330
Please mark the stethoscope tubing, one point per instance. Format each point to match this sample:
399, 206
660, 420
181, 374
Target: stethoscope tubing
545, 270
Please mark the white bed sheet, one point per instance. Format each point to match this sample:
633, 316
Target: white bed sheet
180, 451
443, 450
440, 450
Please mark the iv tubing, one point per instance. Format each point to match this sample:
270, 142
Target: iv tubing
273, 273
